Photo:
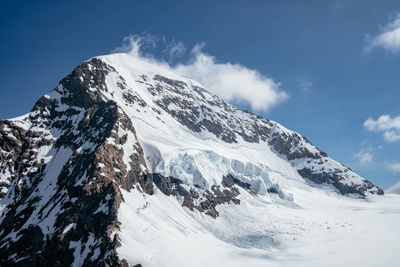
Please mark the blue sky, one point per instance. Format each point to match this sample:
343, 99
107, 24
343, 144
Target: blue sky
337, 61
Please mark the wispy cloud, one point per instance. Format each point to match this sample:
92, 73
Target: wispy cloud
388, 38
390, 127
135, 44
305, 86
394, 167
230, 81
364, 156
174, 49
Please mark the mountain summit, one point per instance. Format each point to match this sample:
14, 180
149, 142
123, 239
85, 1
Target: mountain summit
125, 160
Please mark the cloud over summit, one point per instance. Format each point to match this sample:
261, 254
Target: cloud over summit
230, 81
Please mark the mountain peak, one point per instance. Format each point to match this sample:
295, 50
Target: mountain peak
119, 131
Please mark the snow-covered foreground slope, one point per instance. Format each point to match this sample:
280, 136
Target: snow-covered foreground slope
126, 163
322, 229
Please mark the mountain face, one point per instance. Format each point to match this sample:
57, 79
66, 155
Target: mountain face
120, 144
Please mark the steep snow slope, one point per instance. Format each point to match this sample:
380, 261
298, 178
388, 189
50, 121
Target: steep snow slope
127, 163
178, 120
395, 189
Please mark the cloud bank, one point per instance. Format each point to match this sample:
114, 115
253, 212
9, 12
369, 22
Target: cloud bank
388, 38
390, 127
230, 81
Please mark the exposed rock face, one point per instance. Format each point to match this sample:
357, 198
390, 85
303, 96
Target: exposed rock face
334, 178
223, 124
63, 165
60, 218
203, 200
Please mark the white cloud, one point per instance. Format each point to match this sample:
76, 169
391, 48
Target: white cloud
230, 81
389, 38
389, 126
364, 156
391, 136
394, 167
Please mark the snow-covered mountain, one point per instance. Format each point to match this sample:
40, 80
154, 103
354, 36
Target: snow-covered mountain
394, 189
126, 163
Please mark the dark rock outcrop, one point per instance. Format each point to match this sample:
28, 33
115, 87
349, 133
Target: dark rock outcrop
203, 200
334, 178
86, 192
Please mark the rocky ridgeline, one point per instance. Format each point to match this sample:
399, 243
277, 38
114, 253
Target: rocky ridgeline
46, 207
